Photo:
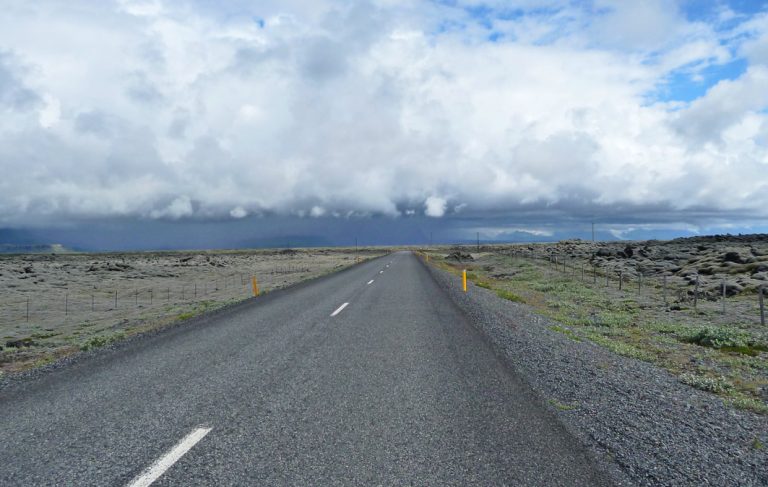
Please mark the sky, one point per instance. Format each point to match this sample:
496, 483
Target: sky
177, 123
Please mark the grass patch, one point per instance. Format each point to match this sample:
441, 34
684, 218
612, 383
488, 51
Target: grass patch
567, 332
509, 296
561, 406
43, 336
725, 339
750, 404
718, 385
101, 341
614, 319
621, 348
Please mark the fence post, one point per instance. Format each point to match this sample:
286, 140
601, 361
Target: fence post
27, 309
621, 279
696, 294
66, 304
115, 299
761, 291
722, 283
639, 283
666, 301
93, 305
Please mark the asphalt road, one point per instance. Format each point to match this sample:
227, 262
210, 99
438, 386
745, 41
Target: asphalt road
396, 388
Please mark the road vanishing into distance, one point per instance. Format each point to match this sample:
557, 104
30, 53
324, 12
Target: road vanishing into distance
370, 376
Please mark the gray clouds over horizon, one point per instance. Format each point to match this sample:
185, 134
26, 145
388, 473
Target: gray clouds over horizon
168, 110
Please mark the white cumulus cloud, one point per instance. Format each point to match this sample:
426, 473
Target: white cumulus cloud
435, 206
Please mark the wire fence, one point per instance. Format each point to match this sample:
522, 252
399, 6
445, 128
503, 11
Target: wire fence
99, 302
656, 287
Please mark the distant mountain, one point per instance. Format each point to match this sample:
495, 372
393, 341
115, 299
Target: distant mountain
33, 249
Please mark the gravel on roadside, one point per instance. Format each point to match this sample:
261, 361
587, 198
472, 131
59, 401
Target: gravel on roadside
632, 414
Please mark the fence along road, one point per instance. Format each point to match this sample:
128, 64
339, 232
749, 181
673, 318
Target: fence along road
342, 380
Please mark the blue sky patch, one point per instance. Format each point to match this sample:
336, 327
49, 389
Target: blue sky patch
681, 85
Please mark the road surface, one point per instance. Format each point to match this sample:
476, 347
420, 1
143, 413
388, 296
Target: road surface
370, 376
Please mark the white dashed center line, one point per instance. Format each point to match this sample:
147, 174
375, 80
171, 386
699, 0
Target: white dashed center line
381, 272
340, 309
370, 282
166, 461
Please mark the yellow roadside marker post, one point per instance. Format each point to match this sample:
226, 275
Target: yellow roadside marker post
255, 286
464, 280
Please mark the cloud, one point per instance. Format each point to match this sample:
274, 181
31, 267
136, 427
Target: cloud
435, 206
178, 208
190, 110
14, 93
724, 105
238, 212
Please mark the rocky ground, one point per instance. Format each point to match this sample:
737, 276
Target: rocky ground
52, 305
742, 261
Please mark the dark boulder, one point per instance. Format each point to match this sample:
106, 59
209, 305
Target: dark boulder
24, 342
459, 256
731, 289
733, 257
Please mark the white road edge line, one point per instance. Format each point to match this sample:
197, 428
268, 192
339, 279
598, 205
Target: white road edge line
370, 282
166, 461
340, 309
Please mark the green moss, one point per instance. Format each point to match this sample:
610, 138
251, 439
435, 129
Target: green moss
561, 406
101, 341
728, 339
509, 295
